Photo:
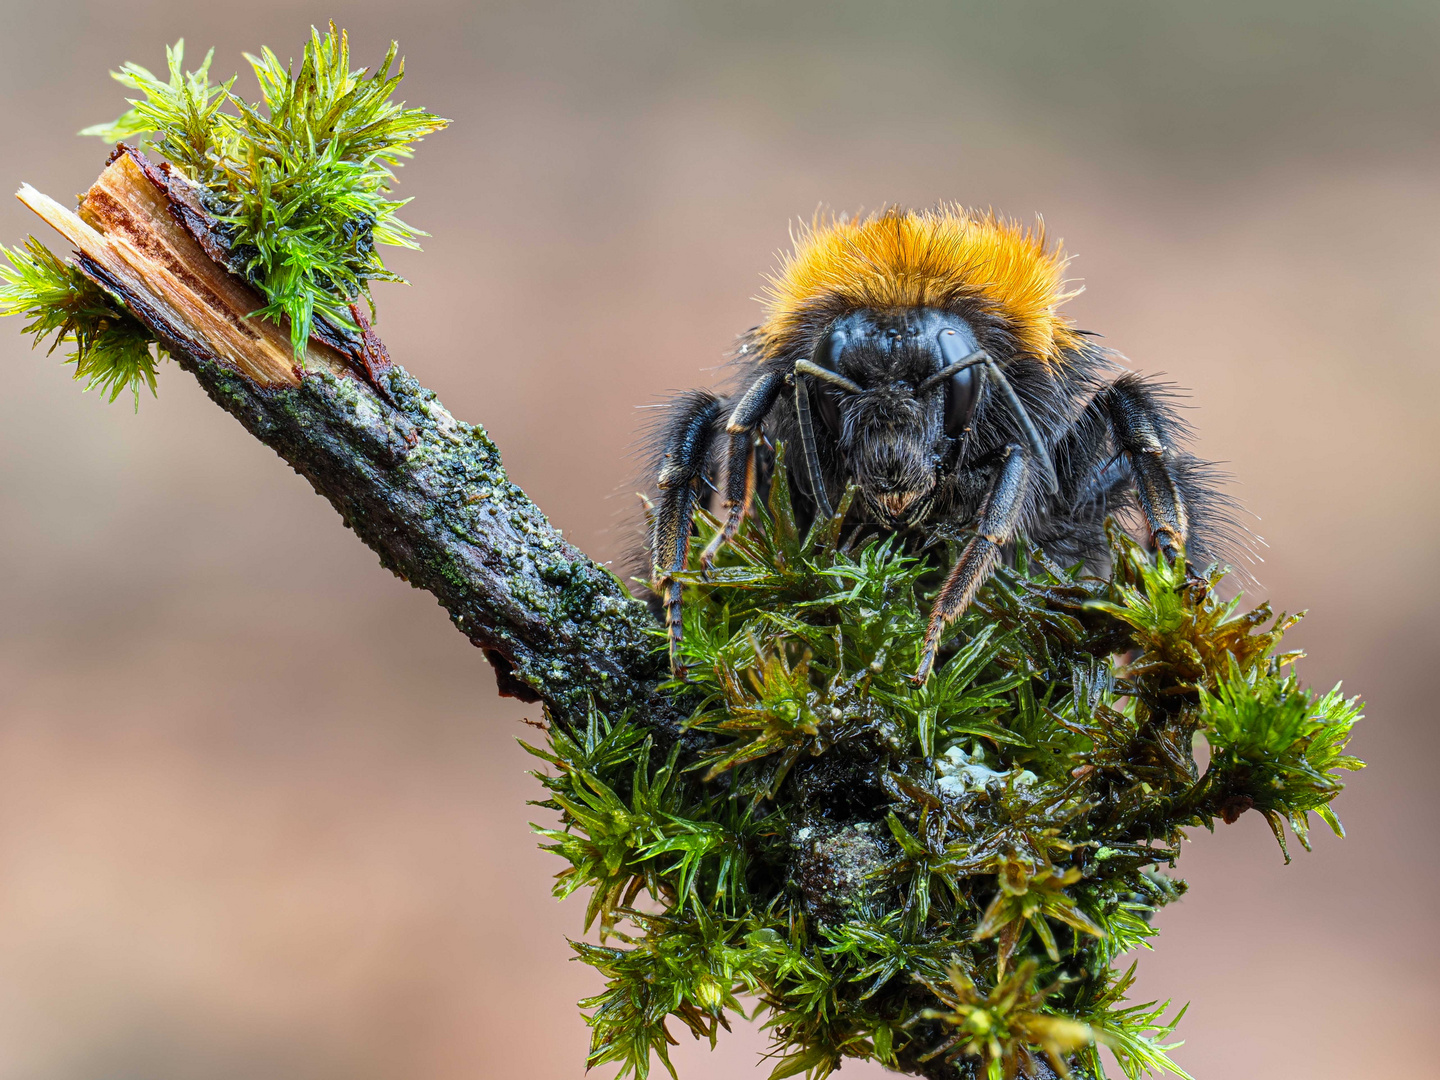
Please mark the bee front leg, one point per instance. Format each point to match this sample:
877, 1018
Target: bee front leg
1139, 426
740, 457
682, 470
999, 518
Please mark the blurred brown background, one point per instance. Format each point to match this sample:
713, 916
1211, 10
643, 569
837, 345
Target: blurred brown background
261, 810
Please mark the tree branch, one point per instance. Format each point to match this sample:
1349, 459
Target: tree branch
427, 492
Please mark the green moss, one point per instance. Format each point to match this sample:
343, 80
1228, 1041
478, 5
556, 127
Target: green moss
299, 183
111, 349
301, 178
940, 878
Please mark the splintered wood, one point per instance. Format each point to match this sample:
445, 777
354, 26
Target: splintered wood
126, 229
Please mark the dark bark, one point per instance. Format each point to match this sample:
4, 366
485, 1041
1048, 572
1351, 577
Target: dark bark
430, 496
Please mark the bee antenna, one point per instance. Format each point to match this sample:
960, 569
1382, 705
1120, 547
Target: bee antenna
808, 451
805, 367
1032, 436
976, 357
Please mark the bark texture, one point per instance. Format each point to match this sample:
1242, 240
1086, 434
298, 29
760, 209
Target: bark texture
428, 493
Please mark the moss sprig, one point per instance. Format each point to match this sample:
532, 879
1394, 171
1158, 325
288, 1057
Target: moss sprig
940, 878
111, 349
301, 178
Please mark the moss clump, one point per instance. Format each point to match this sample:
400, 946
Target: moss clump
940, 878
298, 182
300, 179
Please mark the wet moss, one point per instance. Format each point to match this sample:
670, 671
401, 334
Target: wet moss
940, 878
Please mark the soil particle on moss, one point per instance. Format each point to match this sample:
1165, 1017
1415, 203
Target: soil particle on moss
834, 868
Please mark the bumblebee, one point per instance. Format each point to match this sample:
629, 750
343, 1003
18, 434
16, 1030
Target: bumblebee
922, 356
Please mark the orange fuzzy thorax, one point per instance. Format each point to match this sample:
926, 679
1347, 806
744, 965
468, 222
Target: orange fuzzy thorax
931, 258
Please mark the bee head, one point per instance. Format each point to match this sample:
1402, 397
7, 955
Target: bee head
893, 390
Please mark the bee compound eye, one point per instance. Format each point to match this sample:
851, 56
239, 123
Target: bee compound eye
827, 353
961, 392
962, 389
825, 395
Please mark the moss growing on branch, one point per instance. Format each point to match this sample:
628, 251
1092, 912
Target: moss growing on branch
301, 178
939, 878
299, 183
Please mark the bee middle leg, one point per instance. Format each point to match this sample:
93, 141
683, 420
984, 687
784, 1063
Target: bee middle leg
999, 518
